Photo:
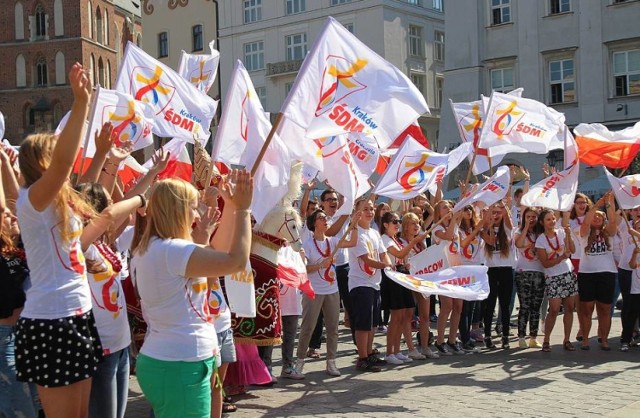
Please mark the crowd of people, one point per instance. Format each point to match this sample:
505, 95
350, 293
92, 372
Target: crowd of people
69, 242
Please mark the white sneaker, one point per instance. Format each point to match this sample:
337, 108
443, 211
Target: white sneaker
299, 365
392, 359
427, 351
522, 343
332, 369
404, 358
415, 355
291, 373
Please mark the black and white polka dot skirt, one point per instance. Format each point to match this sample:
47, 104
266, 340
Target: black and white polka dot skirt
57, 352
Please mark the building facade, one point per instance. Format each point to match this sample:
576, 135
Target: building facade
580, 57
40, 42
272, 37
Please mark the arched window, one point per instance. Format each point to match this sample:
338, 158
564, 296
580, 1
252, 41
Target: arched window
58, 19
19, 20
197, 38
58, 113
106, 27
90, 20
42, 77
108, 76
92, 70
60, 68
29, 121
101, 72
99, 27
41, 22
21, 72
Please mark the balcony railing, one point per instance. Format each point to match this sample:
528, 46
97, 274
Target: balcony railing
283, 67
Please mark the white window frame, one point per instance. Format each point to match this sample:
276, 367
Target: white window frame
439, 91
560, 6
296, 46
504, 7
195, 47
562, 81
438, 45
416, 44
350, 27
339, 2
254, 57
160, 50
419, 80
293, 7
503, 88
261, 92
617, 72
252, 11
438, 5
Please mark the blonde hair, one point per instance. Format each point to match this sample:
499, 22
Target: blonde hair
593, 232
36, 152
168, 212
436, 210
406, 218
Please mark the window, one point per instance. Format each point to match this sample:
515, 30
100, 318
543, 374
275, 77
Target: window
500, 11
252, 11
262, 95
163, 44
439, 89
438, 46
21, 71
197, 38
106, 27
437, 5
502, 80
58, 18
295, 6
349, 27
254, 56
41, 22
626, 72
287, 88
562, 79
415, 41
60, 69
41, 73
559, 6
90, 21
296, 46
19, 21
418, 80
99, 26
414, 2
107, 81
337, 2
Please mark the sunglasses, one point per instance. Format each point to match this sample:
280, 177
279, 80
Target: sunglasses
396, 222
330, 199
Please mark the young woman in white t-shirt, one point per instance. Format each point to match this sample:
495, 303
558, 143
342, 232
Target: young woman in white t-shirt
632, 312
596, 276
170, 273
581, 205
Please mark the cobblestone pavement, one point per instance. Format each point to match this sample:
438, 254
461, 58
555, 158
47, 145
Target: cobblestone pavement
514, 382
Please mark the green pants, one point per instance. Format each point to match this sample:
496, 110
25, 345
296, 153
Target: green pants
176, 388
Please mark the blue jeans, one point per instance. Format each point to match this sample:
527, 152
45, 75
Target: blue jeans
17, 399
110, 386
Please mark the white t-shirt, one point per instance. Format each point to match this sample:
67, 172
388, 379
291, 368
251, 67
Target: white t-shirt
109, 305
497, 259
575, 224
390, 242
342, 255
324, 280
218, 307
451, 248
180, 326
635, 281
527, 259
597, 258
123, 244
290, 300
59, 286
627, 246
360, 275
554, 247
472, 254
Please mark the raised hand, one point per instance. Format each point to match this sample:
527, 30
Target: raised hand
545, 170
104, 139
525, 172
80, 83
120, 153
237, 189
160, 161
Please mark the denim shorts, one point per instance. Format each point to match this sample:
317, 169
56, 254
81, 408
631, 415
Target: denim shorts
226, 347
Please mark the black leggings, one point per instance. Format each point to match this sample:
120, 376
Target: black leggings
530, 288
629, 317
500, 288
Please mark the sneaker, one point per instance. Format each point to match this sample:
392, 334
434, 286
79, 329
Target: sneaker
415, 355
299, 365
392, 359
624, 347
291, 373
505, 343
404, 358
363, 365
382, 329
499, 329
374, 359
470, 347
522, 343
488, 343
429, 353
442, 349
433, 318
332, 369
534, 343
455, 348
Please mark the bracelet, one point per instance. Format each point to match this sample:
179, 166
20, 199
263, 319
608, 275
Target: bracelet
248, 211
143, 201
104, 170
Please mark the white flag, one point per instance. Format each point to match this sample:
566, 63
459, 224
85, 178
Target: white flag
1, 126
271, 179
241, 290
343, 86
460, 282
413, 169
200, 69
365, 152
558, 191
455, 158
181, 110
489, 192
428, 261
514, 124
626, 189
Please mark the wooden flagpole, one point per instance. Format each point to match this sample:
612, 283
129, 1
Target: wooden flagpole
275, 126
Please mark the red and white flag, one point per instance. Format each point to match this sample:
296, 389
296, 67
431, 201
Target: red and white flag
130, 171
558, 191
180, 109
413, 169
516, 124
292, 271
626, 189
599, 146
179, 165
200, 69
489, 192
343, 86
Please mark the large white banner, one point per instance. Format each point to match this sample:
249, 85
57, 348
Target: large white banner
241, 292
428, 261
460, 282
489, 192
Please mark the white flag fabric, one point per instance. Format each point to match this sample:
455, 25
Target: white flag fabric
200, 69
181, 110
343, 86
558, 191
626, 189
492, 190
240, 290
455, 158
365, 152
132, 120
244, 126
271, 179
428, 261
413, 169
514, 124
1, 126
460, 282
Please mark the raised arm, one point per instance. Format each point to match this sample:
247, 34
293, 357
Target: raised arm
588, 218
9, 180
112, 216
103, 142
160, 161
612, 216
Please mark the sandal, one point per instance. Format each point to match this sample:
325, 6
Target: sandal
605, 347
585, 348
568, 346
228, 407
546, 347
579, 337
313, 353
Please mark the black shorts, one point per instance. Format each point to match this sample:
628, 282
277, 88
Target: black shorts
596, 287
395, 296
365, 303
57, 352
